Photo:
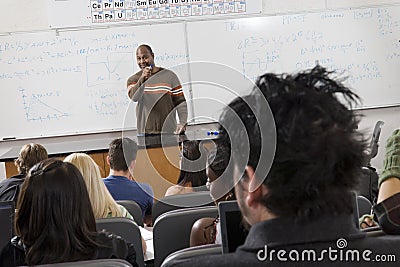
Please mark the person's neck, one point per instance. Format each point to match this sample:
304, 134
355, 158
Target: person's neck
155, 70
261, 213
121, 173
267, 216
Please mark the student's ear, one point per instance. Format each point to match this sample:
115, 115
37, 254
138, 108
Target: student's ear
108, 160
255, 191
132, 165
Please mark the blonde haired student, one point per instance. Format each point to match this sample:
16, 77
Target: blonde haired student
103, 204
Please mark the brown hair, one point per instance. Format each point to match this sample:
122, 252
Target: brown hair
122, 151
29, 155
54, 217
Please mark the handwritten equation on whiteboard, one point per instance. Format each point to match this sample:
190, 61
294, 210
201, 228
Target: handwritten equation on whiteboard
106, 11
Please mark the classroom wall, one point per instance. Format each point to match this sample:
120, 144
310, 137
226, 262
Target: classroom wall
27, 15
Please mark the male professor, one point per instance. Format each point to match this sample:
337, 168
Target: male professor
159, 96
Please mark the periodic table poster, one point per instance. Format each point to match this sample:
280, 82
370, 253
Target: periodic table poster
75, 13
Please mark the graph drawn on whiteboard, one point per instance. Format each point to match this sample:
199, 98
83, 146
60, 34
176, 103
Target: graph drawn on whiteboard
37, 108
112, 68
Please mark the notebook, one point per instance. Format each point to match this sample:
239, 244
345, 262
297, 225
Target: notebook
233, 232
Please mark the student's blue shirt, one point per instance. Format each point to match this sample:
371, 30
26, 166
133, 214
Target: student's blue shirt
121, 188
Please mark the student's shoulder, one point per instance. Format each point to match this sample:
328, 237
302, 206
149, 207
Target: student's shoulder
114, 246
146, 186
178, 190
148, 189
16, 179
380, 239
111, 241
174, 190
210, 260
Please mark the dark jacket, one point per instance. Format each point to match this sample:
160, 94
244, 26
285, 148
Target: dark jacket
329, 241
9, 188
113, 246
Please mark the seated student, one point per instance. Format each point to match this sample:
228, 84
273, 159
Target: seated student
387, 210
192, 176
120, 183
207, 230
29, 155
298, 201
103, 204
54, 221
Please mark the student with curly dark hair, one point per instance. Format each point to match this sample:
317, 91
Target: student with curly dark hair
54, 221
297, 200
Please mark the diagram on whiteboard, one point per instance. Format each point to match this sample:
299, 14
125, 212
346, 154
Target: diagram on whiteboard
37, 107
106, 82
109, 68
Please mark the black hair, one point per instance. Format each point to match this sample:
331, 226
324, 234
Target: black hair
319, 152
193, 164
122, 151
220, 172
218, 158
147, 47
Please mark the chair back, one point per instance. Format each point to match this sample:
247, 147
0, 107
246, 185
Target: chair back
368, 186
171, 231
128, 230
6, 222
134, 209
182, 201
90, 263
364, 206
187, 253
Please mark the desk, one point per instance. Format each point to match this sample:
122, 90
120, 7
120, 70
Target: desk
147, 234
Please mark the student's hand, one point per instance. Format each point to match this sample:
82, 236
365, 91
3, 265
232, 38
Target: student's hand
147, 220
144, 246
367, 221
391, 166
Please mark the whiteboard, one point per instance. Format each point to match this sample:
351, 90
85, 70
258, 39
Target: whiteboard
75, 82
361, 44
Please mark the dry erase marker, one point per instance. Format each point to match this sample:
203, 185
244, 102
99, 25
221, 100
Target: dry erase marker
8, 138
150, 67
